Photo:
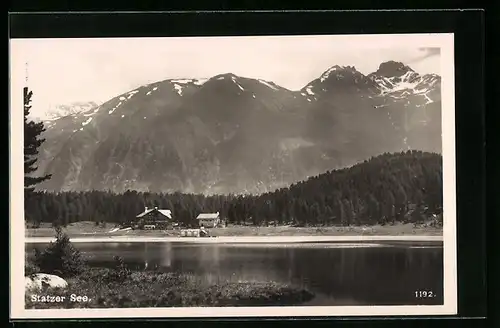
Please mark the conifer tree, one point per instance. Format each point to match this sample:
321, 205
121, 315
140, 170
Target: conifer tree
32, 142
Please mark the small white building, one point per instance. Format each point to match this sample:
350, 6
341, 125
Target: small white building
208, 220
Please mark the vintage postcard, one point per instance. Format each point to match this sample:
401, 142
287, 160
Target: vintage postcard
259, 176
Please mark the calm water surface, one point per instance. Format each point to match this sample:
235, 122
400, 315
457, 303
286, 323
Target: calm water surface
338, 273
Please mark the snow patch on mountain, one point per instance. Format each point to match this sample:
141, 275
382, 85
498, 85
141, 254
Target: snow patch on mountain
93, 112
404, 86
76, 108
418, 91
327, 73
406, 76
409, 83
309, 91
114, 108
236, 82
429, 100
266, 83
200, 81
87, 121
189, 81
150, 91
178, 88
131, 94
182, 81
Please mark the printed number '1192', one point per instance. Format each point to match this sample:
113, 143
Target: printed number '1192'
424, 294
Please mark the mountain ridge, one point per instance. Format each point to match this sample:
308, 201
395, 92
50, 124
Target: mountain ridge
323, 76
232, 133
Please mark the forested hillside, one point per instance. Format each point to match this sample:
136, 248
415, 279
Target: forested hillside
401, 187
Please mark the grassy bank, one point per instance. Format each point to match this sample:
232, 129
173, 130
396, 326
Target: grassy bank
118, 287
106, 288
388, 230
83, 229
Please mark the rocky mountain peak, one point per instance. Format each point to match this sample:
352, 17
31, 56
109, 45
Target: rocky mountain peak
338, 70
61, 110
224, 76
393, 69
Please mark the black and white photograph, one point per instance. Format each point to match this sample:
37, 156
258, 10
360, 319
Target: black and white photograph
308, 175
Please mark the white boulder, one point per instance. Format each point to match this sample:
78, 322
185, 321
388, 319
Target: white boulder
37, 281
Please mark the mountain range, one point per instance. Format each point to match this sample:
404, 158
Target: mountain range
62, 110
232, 134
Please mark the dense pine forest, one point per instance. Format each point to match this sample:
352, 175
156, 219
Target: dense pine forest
401, 187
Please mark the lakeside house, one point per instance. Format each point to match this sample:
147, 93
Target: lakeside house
209, 220
154, 218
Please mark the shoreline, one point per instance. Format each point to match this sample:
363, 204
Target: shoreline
141, 289
242, 239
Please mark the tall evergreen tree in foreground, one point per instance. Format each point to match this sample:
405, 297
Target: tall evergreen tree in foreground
32, 142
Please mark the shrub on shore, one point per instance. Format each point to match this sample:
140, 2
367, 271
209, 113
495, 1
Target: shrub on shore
60, 258
30, 267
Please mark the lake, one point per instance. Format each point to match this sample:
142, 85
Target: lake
380, 273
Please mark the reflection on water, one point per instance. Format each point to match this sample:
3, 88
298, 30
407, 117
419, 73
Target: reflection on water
385, 275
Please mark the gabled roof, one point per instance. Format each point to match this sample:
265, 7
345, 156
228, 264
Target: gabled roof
208, 216
166, 213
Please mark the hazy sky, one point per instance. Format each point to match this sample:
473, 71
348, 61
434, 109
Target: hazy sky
61, 71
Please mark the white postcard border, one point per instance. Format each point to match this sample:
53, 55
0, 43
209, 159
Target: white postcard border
445, 41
